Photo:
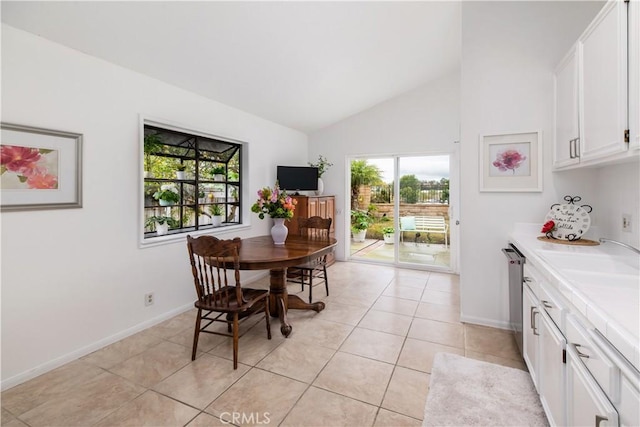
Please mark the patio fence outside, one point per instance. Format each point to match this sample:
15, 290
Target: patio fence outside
429, 192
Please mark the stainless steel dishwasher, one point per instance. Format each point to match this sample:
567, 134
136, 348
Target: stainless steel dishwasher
516, 265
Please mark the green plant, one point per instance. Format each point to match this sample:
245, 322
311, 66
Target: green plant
217, 170
215, 210
388, 230
152, 220
181, 167
362, 173
360, 220
167, 192
323, 165
152, 143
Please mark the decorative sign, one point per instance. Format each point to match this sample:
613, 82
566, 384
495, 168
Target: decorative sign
570, 221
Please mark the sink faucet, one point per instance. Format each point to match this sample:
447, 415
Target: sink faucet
603, 240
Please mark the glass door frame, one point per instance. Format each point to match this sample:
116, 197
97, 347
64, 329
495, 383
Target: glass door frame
452, 213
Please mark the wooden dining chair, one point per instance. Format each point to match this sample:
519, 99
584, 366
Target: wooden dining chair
215, 265
317, 228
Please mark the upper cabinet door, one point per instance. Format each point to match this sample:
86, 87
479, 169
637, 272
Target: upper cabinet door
634, 75
566, 126
603, 56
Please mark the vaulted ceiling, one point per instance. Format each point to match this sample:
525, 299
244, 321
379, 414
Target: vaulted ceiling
305, 65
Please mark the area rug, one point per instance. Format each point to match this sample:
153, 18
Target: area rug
468, 392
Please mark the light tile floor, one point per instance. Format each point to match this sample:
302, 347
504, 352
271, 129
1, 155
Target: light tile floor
363, 361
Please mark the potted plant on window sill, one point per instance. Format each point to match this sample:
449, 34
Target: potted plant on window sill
161, 224
387, 233
360, 221
180, 171
216, 215
218, 173
167, 195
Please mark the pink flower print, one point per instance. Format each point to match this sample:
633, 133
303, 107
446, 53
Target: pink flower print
21, 160
509, 160
42, 180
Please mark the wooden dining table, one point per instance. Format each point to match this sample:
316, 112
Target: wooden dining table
260, 253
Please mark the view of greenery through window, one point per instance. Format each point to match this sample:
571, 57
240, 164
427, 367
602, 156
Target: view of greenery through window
191, 182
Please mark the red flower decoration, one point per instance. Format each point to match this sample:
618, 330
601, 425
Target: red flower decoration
548, 226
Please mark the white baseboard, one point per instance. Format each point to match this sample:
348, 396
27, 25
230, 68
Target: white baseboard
485, 322
55, 363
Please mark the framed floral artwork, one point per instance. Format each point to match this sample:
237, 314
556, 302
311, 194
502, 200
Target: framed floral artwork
39, 168
511, 162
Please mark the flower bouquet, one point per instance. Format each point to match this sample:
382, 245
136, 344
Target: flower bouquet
275, 203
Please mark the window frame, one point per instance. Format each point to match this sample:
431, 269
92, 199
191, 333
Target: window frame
146, 238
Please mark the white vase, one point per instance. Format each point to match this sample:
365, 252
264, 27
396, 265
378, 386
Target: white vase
162, 229
216, 220
163, 202
320, 189
279, 231
180, 174
388, 239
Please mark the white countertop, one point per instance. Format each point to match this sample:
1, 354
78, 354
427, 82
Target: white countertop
601, 282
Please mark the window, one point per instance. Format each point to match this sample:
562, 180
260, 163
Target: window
191, 181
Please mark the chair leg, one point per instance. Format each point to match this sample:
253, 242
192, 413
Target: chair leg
235, 340
196, 335
267, 316
326, 279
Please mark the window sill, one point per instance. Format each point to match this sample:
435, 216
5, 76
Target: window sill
181, 237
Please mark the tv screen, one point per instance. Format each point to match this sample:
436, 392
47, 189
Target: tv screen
298, 178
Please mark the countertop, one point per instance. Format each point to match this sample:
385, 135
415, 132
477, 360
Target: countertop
601, 282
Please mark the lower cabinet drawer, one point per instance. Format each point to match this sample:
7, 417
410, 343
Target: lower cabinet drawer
588, 405
604, 371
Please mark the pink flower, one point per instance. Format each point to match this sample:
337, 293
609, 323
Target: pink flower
509, 160
42, 180
21, 160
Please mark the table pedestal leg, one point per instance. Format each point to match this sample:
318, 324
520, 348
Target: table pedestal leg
280, 300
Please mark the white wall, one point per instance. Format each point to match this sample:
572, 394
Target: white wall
509, 51
617, 193
425, 120
74, 280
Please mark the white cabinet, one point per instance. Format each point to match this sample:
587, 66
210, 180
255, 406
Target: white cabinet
588, 405
567, 130
634, 75
604, 83
591, 94
530, 321
551, 370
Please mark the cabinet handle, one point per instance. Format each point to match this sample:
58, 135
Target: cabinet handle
533, 321
581, 354
571, 145
576, 147
546, 304
527, 279
599, 419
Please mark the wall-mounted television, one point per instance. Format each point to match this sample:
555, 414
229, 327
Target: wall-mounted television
298, 178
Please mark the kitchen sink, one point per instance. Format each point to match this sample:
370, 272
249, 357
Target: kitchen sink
596, 263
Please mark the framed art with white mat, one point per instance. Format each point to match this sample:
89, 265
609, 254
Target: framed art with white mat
511, 162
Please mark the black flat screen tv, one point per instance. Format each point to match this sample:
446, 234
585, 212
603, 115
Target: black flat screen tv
298, 178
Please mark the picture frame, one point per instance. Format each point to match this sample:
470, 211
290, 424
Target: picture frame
40, 168
511, 162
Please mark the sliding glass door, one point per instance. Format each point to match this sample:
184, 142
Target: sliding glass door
405, 204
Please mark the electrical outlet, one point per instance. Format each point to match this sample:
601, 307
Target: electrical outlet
148, 299
626, 223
